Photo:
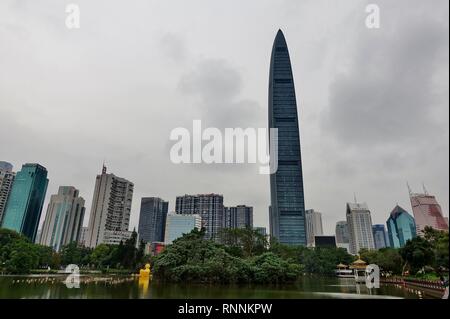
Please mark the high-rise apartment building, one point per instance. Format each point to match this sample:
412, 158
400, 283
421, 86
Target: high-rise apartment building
179, 224
110, 211
287, 210
209, 207
427, 212
239, 217
401, 227
6, 181
64, 218
379, 236
313, 226
25, 201
152, 219
360, 227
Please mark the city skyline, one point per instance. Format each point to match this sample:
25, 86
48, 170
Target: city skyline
326, 63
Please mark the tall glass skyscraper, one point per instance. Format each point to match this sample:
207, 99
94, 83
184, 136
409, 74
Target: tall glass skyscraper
152, 219
287, 211
379, 236
24, 206
401, 227
64, 218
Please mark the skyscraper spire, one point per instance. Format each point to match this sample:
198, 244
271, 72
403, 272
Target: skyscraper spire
425, 191
409, 189
287, 209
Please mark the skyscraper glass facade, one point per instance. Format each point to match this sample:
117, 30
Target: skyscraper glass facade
287, 211
379, 236
152, 219
401, 227
342, 234
64, 218
239, 217
24, 205
178, 224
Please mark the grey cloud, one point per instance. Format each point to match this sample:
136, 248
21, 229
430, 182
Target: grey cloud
216, 86
386, 94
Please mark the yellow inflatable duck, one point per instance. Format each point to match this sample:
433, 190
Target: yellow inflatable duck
145, 273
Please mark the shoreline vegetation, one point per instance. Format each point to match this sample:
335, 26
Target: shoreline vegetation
243, 256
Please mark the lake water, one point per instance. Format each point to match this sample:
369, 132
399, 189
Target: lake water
106, 287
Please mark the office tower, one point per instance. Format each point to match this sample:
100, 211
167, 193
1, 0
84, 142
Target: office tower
427, 212
152, 219
313, 226
360, 227
287, 210
110, 211
25, 201
64, 218
325, 241
209, 207
342, 234
261, 230
239, 217
6, 181
379, 236
82, 239
179, 224
401, 227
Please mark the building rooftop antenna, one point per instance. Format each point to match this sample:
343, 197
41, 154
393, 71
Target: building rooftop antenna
354, 196
104, 167
425, 191
409, 189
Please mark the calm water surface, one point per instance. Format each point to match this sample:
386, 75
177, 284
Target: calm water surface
106, 287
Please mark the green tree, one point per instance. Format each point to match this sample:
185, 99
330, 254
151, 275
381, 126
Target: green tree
102, 255
243, 242
417, 253
72, 253
439, 240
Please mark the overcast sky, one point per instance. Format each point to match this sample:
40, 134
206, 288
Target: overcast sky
373, 103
